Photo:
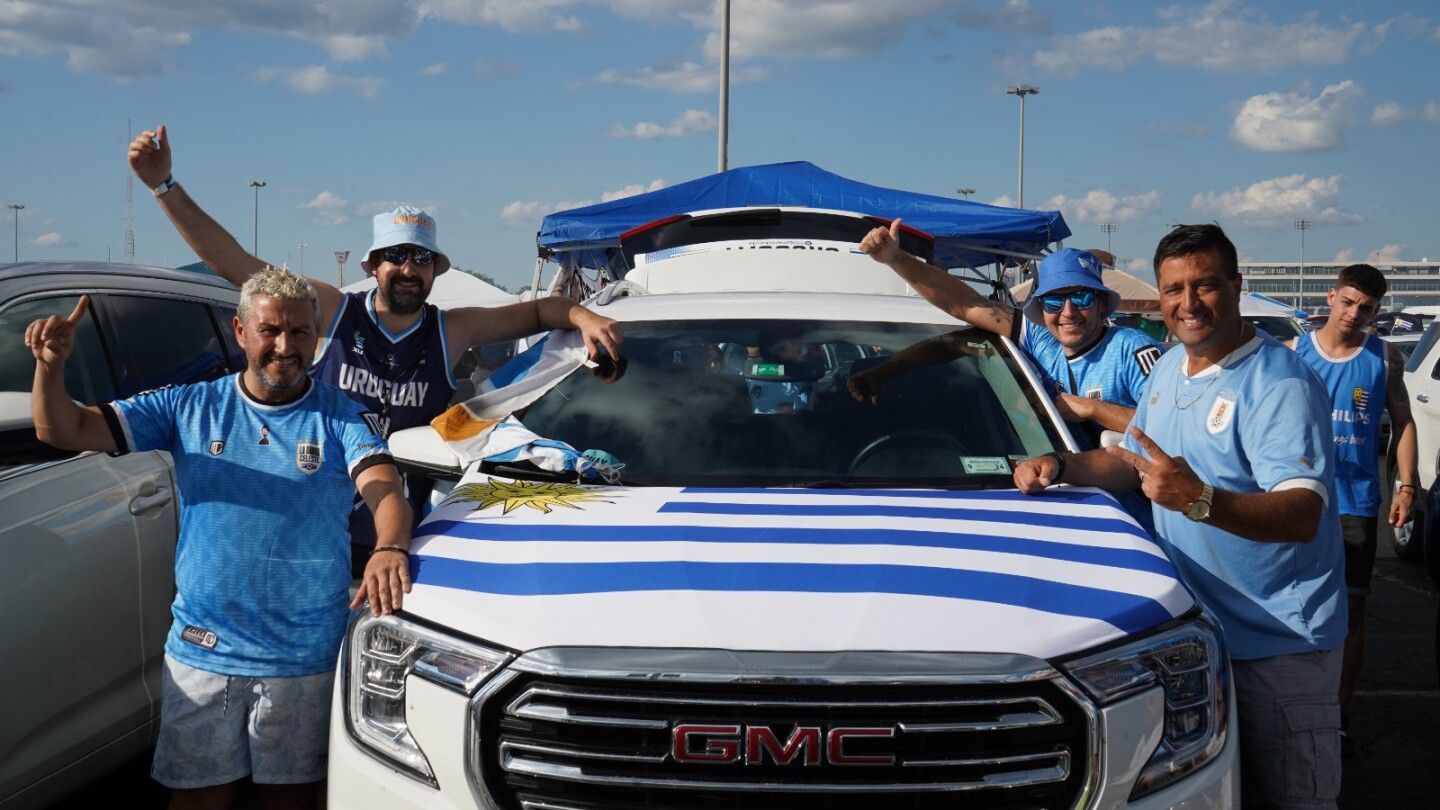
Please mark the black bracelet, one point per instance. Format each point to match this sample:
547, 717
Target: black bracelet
1411, 486
379, 549
1060, 472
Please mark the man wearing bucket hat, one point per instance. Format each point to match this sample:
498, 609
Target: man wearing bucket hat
386, 348
1096, 371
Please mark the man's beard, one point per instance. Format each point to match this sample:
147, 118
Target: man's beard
403, 302
273, 384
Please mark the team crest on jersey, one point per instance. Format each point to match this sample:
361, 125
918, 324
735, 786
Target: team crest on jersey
217, 447
1361, 398
1220, 414
1146, 358
307, 456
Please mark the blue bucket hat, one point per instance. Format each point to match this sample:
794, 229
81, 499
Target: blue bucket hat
405, 225
1063, 269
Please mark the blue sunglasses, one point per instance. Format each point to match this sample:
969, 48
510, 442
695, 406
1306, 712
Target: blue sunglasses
1055, 304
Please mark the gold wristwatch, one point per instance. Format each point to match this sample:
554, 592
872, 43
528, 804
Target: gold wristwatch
1199, 509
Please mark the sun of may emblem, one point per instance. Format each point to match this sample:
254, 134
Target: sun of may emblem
534, 494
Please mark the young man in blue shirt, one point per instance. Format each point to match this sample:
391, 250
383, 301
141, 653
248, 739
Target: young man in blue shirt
266, 463
1364, 376
1232, 445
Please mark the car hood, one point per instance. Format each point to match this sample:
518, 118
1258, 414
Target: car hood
528, 565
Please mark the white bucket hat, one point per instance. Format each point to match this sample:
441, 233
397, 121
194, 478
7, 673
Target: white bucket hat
405, 225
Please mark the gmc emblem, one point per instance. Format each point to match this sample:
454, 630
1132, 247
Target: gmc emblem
753, 745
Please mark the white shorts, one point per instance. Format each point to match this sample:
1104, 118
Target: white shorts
215, 729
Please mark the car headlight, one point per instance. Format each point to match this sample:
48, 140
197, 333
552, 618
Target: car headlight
1190, 664
380, 653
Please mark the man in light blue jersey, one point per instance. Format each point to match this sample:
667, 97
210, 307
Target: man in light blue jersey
1096, 372
1364, 376
266, 463
1232, 444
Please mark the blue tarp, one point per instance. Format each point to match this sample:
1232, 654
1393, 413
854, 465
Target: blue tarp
966, 233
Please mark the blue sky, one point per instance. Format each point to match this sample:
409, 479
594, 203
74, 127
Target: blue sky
491, 113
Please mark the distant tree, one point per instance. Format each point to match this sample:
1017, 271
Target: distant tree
477, 274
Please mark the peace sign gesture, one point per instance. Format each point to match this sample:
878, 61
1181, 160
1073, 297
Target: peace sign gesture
51, 339
1166, 480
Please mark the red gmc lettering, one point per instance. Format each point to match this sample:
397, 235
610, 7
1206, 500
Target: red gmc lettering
835, 745
722, 751
760, 740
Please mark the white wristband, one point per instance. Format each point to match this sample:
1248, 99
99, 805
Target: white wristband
164, 187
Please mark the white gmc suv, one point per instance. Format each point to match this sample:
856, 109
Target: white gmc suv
812, 584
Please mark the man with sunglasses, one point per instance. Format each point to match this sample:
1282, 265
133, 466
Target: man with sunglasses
1096, 371
386, 348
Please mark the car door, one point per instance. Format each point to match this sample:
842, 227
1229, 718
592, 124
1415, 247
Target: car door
94, 537
1422, 382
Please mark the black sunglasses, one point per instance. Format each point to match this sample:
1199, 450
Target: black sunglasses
397, 255
1080, 299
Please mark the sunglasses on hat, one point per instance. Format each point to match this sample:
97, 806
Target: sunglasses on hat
1055, 304
397, 255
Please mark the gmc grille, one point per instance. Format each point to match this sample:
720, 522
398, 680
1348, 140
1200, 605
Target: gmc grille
551, 742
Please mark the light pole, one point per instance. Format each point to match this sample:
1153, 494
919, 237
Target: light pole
965, 192
302, 258
257, 185
723, 158
1108, 228
1022, 90
1302, 225
16, 207
340, 257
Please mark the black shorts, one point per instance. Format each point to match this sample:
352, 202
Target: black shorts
1360, 543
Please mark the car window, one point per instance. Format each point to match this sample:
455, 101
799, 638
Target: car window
87, 376
1422, 350
163, 341
951, 411
225, 322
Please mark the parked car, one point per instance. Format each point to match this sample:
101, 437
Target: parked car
834, 602
1406, 344
89, 539
1400, 323
1422, 383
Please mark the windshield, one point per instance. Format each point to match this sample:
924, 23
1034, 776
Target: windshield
1280, 327
824, 403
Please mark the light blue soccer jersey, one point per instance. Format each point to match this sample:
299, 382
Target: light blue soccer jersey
262, 566
1260, 424
1112, 370
1357, 398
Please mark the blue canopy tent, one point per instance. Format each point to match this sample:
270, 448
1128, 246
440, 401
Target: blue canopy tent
967, 234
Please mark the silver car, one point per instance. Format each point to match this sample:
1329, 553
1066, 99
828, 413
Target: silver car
89, 539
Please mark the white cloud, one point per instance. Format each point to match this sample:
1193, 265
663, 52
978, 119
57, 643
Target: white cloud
1221, 36
1099, 205
680, 77
1277, 201
690, 122
329, 209
319, 81
528, 214
1004, 201
50, 240
1390, 114
630, 191
437, 69
1291, 122
511, 15
1387, 253
1432, 113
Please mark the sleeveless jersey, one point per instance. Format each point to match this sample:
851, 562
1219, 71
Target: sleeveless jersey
405, 378
1356, 385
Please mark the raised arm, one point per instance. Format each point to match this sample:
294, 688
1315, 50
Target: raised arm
151, 160
945, 291
58, 420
